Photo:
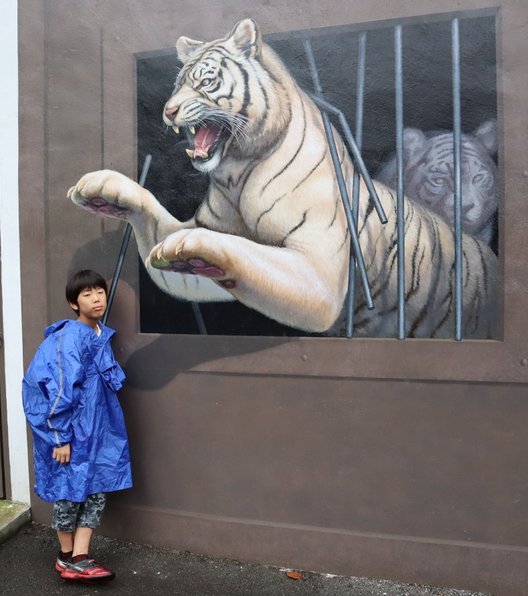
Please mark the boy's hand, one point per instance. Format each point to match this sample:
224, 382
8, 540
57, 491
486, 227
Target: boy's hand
62, 454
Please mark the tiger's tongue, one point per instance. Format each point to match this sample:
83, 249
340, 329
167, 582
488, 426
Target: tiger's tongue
205, 138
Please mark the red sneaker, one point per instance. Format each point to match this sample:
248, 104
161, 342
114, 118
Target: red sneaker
87, 571
60, 565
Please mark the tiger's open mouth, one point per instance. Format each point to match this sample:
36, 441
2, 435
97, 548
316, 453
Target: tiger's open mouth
206, 140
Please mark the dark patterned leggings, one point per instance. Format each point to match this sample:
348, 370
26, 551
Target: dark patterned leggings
68, 515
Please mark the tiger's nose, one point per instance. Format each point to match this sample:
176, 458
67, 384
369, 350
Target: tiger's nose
170, 113
472, 211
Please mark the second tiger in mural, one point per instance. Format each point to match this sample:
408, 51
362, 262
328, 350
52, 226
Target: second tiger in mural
271, 230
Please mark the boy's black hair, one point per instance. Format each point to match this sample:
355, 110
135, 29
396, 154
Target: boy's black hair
82, 280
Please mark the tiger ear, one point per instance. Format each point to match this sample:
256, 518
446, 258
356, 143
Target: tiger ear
486, 133
414, 142
186, 47
246, 38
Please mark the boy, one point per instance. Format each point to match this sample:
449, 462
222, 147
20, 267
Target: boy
80, 441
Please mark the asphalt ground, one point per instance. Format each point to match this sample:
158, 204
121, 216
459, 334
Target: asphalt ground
27, 569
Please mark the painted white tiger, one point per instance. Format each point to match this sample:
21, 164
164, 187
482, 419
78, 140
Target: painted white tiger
271, 231
428, 176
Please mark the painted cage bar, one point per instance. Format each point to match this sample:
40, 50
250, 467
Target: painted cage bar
400, 199
457, 150
340, 180
360, 100
124, 246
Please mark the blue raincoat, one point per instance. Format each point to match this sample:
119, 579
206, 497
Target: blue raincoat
69, 394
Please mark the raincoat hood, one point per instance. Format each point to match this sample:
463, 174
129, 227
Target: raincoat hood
56, 327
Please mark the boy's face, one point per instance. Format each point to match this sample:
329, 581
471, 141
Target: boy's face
91, 305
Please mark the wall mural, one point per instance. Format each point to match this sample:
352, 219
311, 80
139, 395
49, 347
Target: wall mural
243, 214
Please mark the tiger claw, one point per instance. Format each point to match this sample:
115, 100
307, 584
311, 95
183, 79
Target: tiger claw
157, 261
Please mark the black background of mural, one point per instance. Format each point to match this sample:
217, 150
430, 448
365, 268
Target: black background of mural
427, 105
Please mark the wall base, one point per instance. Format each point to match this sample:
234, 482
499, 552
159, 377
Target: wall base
498, 569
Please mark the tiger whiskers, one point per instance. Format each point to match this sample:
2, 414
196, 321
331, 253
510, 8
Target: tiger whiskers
236, 123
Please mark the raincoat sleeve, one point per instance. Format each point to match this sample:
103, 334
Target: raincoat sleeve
109, 368
54, 391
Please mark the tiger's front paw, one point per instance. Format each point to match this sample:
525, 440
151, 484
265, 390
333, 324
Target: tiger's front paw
109, 193
191, 252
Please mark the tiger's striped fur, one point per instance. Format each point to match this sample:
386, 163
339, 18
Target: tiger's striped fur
271, 231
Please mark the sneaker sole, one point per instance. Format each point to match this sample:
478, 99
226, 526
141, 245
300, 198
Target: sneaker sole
77, 577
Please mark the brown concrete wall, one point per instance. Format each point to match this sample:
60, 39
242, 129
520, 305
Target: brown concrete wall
367, 457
